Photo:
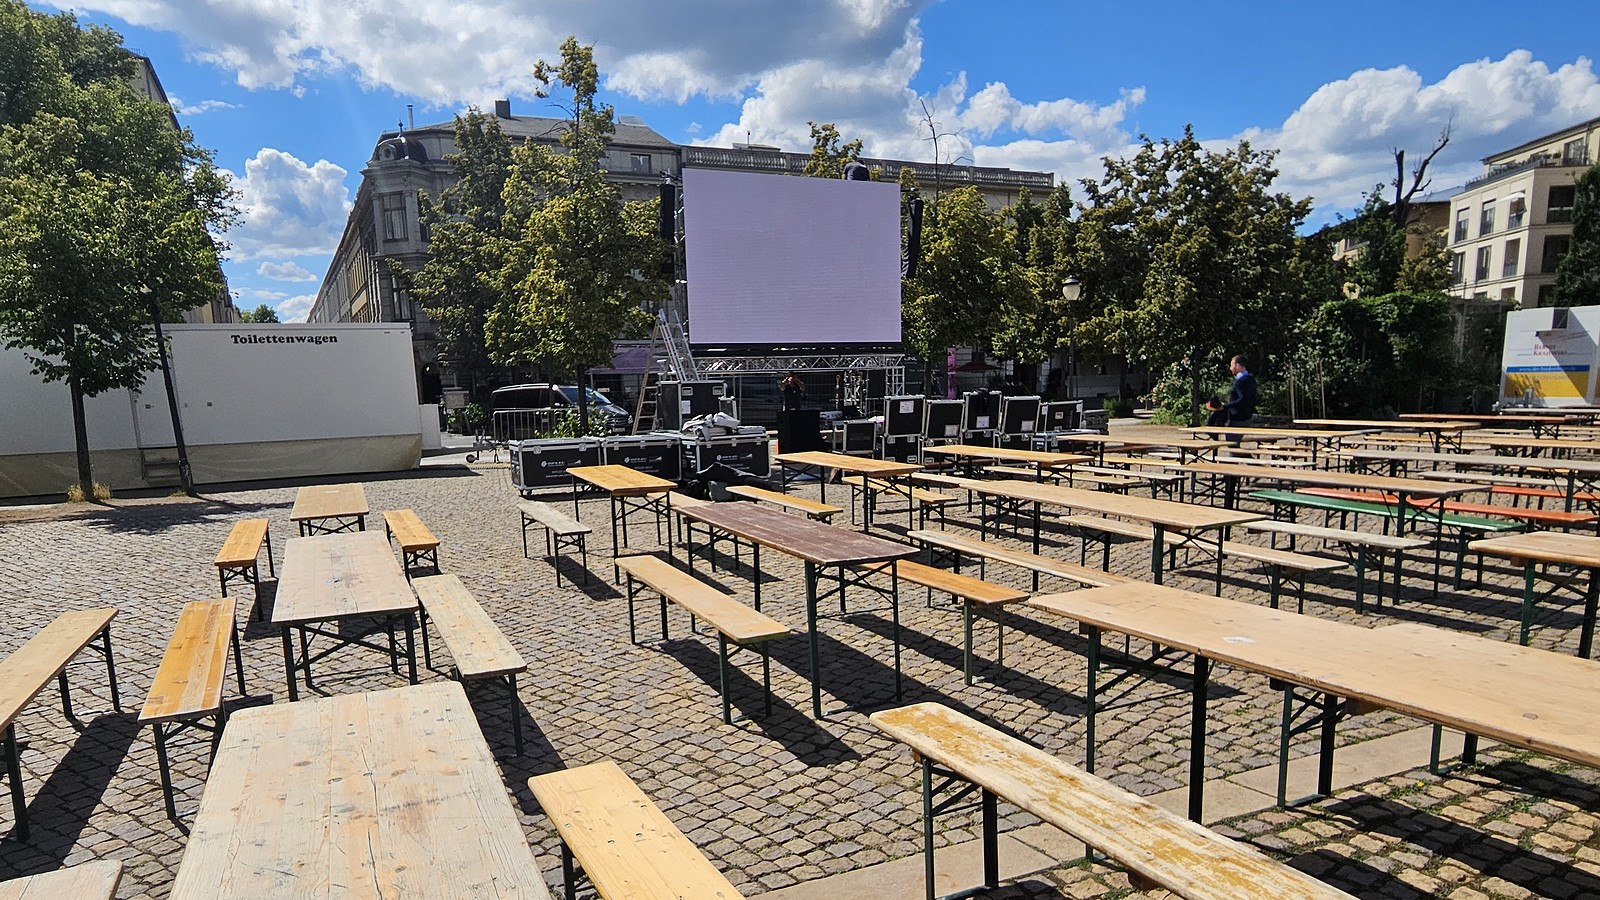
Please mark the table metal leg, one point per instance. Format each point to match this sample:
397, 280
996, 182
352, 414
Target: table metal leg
19, 804
1158, 538
1586, 635
1528, 567
288, 664
811, 634
1197, 739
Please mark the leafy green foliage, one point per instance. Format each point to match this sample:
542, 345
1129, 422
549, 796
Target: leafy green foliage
106, 211
830, 152
461, 281
579, 263
261, 314
1578, 275
1381, 354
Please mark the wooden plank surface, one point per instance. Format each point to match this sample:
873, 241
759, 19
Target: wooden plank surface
789, 500
96, 880
965, 586
476, 644
408, 531
971, 546
1184, 857
1452, 427
859, 465
1518, 695
379, 794
330, 576
1416, 487
190, 679
802, 538
629, 849
329, 501
25, 672
1032, 457
552, 518
1518, 442
243, 544
622, 481
1544, 546
734, 619
1165, 513
1337, 535
1322, 434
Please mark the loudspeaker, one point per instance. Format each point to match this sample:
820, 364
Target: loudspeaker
668, 228
913, 237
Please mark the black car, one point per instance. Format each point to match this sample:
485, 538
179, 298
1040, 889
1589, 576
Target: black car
528, 410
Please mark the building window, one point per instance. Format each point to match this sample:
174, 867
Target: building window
1516, 209
1462, 215
1486, 218
1575, 153
1555, 247
1458, 267
1513, 258
402, 304
639, 163
394, 216
1483, 263
1559, 209
1508, 295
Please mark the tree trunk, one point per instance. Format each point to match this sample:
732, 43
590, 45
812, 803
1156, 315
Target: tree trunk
1194, 389
583, 401
80, 434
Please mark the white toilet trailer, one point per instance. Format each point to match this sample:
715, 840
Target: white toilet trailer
257, 402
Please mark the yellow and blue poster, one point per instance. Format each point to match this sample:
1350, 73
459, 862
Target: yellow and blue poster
1549, 357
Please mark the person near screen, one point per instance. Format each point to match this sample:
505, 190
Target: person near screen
793, 390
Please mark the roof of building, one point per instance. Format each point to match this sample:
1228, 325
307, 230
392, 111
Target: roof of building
1544, 139
551, 129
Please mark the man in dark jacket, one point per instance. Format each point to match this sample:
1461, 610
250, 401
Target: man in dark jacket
1241, 405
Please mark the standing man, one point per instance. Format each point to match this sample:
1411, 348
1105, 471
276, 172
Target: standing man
1241, 405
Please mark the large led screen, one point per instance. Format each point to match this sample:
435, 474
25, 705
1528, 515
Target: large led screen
781, 260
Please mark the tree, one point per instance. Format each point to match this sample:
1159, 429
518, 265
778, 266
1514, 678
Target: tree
262, 314
1578, 274
106, 212
828, 154
1384, 353
969, 271
1215, 250
580, 263
461, 283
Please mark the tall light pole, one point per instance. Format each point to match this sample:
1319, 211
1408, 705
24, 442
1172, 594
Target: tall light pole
1070, 291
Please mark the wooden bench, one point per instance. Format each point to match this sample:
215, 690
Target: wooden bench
1157, 848
735, 623
560, 530
979, 599
1159, 483
24, 674
955, 546
1360, 544
1104, 532
1075, 476
625, 845
1282, 565
821, 512
1519, 513
96, 880
419, 549
188, 685
240, 553
923, 498
480, 649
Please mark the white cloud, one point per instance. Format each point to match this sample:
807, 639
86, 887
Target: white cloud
290, 208
195, 109
284, 271
1341, 141
296, 308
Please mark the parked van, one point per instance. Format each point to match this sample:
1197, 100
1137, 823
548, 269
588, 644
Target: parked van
523, 411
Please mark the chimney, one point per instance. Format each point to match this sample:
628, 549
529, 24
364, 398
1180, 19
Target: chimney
502, 109
411, 117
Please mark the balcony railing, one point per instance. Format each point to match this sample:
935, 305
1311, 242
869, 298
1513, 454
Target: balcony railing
927, 173
1538, 161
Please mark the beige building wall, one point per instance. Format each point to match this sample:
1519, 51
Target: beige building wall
1509, 227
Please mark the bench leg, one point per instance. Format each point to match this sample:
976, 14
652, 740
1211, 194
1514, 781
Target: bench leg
238, 661
766, 678
525, 521
427, 651
569, 875
633, 633
516, 712
722, 675
166, 775
411, 647
19, 804
966, 645
271, 568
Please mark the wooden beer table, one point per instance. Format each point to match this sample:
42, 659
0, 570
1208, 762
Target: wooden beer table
1322, 442
1520, 696
1039, 459
1438, 433
330, 508
1541, 426
1404, 489
628, 490
820, 547
895, 474
1185, 519
385, 793
330, 578
1572, 551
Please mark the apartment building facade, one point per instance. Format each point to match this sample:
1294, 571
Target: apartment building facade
1510, 226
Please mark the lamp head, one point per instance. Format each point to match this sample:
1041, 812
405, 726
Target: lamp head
1071, 289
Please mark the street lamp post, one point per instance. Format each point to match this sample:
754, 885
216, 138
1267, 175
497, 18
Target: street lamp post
1070, 290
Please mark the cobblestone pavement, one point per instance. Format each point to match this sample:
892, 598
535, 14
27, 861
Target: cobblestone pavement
782, 798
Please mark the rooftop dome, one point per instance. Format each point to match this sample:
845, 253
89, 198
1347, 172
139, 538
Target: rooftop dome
399, 147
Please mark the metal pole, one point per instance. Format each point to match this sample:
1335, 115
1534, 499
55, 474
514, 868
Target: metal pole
184, 475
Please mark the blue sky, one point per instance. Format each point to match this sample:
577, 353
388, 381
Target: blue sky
291, 94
